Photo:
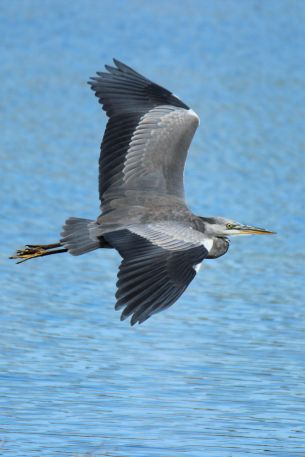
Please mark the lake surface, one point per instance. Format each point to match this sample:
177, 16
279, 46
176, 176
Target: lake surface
222, 372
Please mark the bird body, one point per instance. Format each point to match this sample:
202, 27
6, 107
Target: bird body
144, 215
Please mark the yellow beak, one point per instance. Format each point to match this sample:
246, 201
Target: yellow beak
248, 230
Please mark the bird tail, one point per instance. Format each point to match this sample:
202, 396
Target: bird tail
79, 236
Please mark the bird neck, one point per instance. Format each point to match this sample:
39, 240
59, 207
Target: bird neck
219, 248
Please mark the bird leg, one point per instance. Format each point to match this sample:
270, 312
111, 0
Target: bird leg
31, 251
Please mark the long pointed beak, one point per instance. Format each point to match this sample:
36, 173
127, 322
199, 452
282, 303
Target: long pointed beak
248, 230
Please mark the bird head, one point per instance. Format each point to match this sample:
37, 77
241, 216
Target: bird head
219, 226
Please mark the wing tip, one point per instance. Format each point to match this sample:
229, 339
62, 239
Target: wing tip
133, 321
120, 65
121, 74
136, 318
118, 68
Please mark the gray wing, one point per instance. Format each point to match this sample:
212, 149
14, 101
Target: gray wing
156, 269
145, 144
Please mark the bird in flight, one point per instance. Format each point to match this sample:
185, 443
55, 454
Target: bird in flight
144, 215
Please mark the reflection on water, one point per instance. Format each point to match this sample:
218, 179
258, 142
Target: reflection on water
222, 372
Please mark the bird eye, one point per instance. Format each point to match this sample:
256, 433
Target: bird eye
229, 226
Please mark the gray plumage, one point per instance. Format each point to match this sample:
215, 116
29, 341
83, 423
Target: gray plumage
144, 215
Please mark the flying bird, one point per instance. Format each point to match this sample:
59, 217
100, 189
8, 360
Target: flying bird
144, 215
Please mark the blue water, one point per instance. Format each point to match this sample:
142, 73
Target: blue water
222, 372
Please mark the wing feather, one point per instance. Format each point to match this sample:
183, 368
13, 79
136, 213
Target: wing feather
154, 272
146, 139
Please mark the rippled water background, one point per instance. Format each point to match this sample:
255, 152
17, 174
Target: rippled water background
222, 373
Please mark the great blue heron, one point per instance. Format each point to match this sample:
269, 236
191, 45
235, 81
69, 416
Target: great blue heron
144, 214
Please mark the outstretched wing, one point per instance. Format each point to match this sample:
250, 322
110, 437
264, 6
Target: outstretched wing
157, 267
145, 144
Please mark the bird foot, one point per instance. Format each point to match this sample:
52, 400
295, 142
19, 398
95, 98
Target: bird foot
31, 251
